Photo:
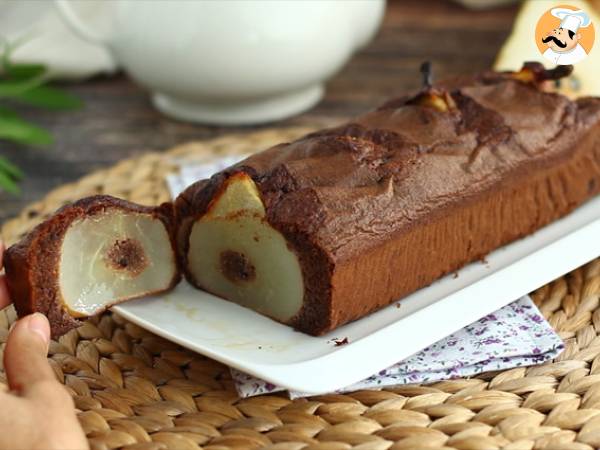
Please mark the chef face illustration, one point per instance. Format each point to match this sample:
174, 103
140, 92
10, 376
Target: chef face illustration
563, 41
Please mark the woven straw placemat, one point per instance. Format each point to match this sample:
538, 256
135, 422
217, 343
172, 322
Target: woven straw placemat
137, 391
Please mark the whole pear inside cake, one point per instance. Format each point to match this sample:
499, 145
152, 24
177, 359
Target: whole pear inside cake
111, 257
234, 253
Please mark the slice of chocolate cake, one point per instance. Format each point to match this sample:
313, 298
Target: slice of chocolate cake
90, 255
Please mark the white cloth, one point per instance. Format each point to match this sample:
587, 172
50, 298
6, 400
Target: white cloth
571, 57
514, 336
44, 38
190, 173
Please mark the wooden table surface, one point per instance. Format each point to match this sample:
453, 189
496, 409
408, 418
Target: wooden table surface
118, 120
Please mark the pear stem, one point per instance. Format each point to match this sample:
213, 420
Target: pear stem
427, 73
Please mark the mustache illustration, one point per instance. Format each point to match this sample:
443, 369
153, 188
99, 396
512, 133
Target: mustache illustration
556, 41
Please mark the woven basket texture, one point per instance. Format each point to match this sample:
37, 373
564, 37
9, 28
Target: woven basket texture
136, 391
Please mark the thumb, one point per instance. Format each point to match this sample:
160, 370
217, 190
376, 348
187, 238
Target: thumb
25, 353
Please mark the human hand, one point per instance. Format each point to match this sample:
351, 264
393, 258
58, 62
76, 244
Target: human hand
37, 413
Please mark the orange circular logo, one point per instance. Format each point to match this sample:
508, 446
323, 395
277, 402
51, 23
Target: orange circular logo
565, 35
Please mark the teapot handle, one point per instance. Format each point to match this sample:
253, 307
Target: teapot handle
74, 22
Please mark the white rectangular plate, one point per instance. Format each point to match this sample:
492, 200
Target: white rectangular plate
259, 346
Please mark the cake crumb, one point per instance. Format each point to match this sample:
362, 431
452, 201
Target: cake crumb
483, 260
398, 305
339, 342
455, 276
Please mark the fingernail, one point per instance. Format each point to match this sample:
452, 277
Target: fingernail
39, 324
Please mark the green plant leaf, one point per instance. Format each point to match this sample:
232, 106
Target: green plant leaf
25, 83
9, 175
11, 88
5, 112
19, 72
50, 98
17, 130
10, 169
8, 184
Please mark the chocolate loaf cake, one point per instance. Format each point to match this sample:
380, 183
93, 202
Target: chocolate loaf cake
90, 255
326, 229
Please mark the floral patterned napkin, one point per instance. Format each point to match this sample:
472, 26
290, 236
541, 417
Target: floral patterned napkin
191, 173
516, 335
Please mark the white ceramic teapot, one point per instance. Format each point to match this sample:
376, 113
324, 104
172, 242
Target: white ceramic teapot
235, 61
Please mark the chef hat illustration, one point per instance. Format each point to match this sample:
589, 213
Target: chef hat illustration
571, 20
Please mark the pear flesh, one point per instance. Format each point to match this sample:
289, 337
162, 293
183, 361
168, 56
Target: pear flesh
234, 253
113, 256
